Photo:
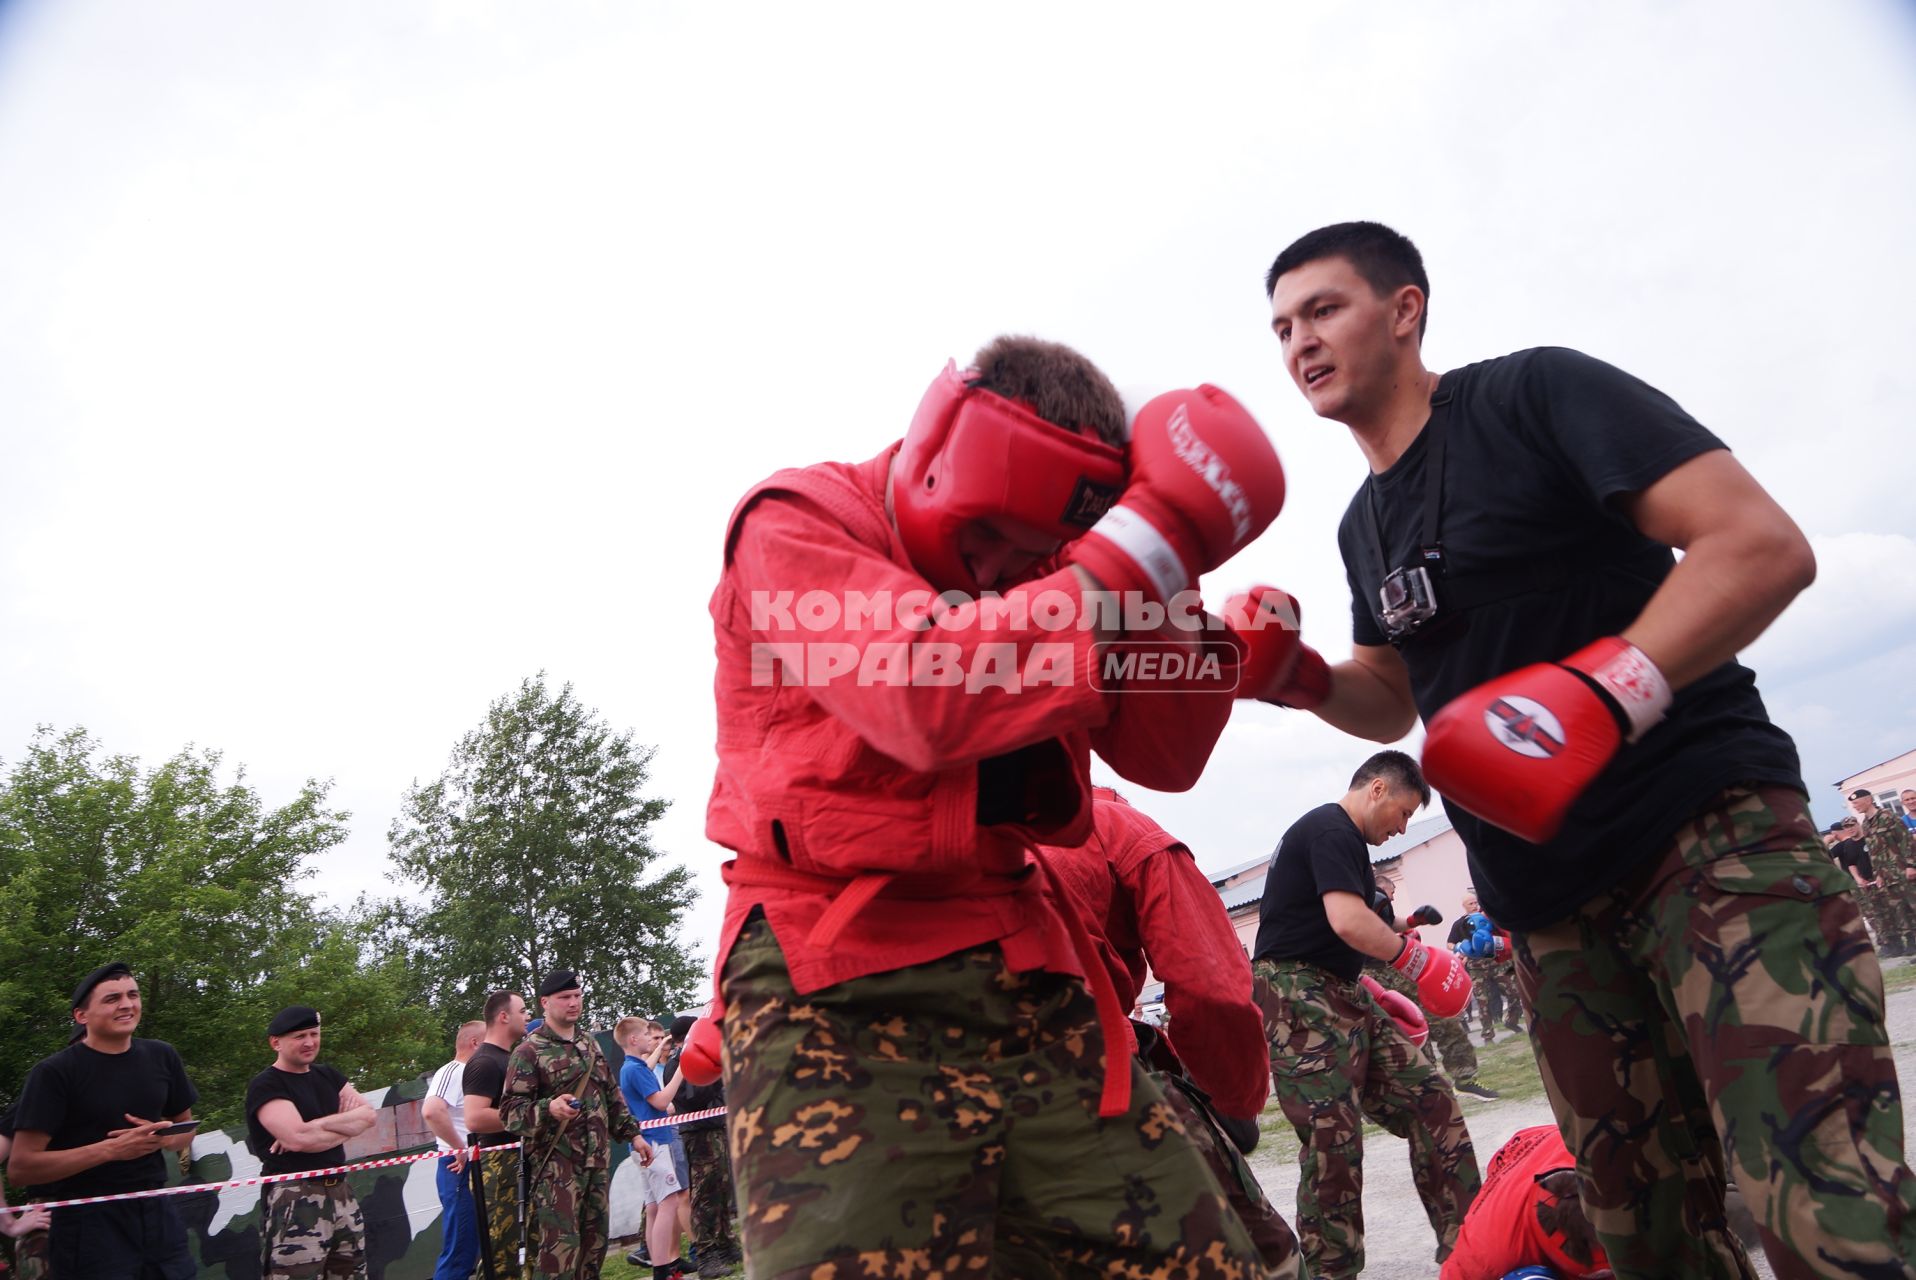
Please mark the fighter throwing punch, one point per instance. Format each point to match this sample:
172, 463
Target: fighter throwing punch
1699, 982
918, 1076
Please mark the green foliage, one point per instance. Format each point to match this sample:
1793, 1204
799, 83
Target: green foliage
196, 885
532, 850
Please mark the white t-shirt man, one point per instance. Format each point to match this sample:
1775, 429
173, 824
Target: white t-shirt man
449, 1086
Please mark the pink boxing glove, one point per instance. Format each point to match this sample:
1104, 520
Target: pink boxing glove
1517, 751
1204, 481
1278, 666
1408, 1017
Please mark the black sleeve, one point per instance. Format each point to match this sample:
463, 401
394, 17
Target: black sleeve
1616, 433
43, 1100
180, 1093
484, 1079
1336, 861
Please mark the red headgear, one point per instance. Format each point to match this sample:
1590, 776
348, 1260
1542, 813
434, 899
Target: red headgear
974, 455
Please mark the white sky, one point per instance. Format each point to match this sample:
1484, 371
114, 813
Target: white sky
358, 360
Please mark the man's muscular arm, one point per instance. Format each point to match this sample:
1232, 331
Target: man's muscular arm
1744, 560
1352, 920
1370, 695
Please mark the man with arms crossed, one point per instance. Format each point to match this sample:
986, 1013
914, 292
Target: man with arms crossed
1700, 984
92, 1121
299, 1114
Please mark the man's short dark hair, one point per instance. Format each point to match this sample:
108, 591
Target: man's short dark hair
1396, 768
1386, 259
497, 1003
1058, 384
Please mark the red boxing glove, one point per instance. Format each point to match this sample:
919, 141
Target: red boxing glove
1204, 482
1517, 751
1278, 666
1443, 987
1408, 1017
703, 1058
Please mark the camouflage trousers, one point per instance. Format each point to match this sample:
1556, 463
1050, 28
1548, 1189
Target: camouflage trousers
568, 1220
1493, 983
30, 1257
714, 1205
1276, 1242
495, 1206
1337, 1058
1888, 914
1721, 1013
942, 1120
311, 1229
1449, 1037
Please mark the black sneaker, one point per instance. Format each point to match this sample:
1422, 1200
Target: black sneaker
1476, 1090
639, 1258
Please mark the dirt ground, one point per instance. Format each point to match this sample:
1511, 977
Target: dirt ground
1398, 1240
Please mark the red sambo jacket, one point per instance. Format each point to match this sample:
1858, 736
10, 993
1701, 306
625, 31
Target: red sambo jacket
1528, 1213
1141, 895
836, 784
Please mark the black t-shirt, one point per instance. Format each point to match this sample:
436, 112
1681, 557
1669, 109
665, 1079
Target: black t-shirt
1852, 853
486, 1078
313, 1093
1539, 446
1322, 852
79, 1095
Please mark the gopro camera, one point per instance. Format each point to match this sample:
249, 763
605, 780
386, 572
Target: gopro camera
1408, 601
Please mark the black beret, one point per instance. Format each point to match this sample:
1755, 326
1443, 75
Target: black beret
294, 1017
682, 1026
557, 981
118, 969
1860, 792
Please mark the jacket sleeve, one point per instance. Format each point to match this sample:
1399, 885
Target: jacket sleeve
1017, 682
1163, 741
519, 1108
1193, 950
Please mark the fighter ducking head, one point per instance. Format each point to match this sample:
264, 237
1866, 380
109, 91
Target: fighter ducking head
1005, 462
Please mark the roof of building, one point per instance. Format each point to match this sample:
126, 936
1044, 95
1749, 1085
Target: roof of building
1420, 832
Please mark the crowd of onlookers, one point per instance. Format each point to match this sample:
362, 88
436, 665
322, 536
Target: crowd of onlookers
1873, 844
100, 1118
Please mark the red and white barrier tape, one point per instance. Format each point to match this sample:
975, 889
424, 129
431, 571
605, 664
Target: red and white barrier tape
188, 1188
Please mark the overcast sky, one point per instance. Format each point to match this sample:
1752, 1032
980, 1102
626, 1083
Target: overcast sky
359, 360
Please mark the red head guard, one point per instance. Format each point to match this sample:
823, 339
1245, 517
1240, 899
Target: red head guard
973, 455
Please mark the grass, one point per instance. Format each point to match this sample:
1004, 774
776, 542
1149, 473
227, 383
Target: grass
1898, 977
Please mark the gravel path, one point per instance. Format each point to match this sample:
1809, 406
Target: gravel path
1398, 1240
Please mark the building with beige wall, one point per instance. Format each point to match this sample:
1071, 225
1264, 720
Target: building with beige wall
1886, 779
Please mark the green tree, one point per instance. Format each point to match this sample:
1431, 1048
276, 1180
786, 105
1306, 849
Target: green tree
533, 850
197, 885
